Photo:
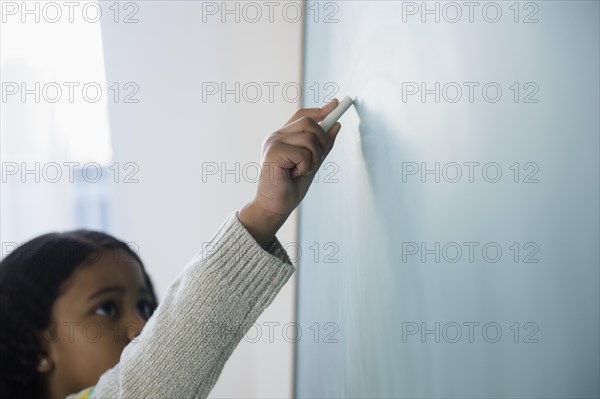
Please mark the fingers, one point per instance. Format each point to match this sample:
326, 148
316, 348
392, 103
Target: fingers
308, 141
294, 158
311, 152
302, 144
308, 125
318, 114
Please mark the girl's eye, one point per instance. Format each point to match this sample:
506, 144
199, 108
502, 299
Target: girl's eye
110, 308
146, 309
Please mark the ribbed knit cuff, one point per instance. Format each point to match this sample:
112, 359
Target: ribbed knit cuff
275, 248
245, 269
241, 241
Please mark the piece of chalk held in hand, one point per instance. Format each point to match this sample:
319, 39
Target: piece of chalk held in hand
337, 112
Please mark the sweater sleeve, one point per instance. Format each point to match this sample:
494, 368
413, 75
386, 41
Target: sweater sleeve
206, 311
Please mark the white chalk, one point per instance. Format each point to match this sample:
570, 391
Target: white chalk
334, 115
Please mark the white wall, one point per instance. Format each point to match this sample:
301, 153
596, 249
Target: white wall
170, 132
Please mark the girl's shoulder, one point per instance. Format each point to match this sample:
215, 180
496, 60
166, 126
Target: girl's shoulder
84, 394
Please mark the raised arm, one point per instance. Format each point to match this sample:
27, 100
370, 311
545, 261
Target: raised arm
224, 288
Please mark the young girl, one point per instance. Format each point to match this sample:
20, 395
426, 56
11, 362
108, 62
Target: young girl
79, 317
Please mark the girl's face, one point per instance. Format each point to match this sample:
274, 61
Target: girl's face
104, 305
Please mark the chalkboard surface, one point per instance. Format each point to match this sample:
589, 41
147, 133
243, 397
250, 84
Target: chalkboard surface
449, 246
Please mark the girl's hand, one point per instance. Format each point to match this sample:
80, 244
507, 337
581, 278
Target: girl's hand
291, 156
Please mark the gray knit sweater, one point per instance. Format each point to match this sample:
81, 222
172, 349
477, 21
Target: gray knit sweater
205, 312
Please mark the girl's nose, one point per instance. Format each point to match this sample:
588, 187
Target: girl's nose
134, 325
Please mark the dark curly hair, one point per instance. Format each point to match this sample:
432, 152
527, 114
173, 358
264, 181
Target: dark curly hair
30, 279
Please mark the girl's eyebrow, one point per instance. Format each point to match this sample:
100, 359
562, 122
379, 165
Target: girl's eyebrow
114, 288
